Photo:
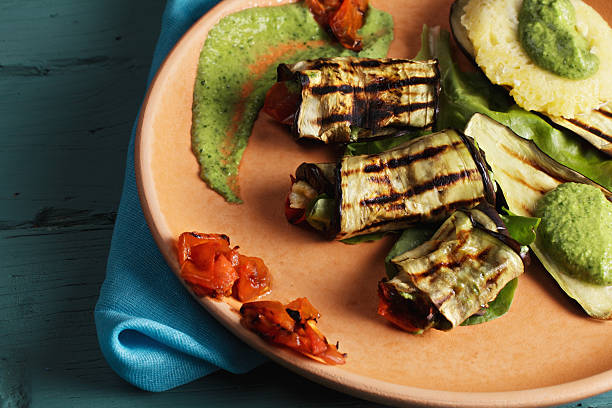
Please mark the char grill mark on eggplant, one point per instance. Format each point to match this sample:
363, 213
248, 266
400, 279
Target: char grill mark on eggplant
377, 97
402, 222
436, 183
595, 127
428, 153
591, 129
450, 277
373, 88
423, 180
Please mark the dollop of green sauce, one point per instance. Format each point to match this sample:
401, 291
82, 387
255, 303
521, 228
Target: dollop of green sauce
237, 66
547, 31
576, 228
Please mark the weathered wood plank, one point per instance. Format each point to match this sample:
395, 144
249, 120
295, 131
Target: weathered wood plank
72, 75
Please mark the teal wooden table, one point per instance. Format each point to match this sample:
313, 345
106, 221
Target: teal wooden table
72, 76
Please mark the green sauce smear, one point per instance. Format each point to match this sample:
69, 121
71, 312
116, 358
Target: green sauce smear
238, 65
547, 30
576, 228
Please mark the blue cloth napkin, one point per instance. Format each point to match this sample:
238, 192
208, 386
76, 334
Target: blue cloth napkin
151, 332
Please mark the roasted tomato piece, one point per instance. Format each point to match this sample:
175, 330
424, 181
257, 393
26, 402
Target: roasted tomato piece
212, 268
209, 268
323, 9
282, 102
343, 17
266, 316
188, 240
292, 326
253, 278
346, 21
396, 310
304, 309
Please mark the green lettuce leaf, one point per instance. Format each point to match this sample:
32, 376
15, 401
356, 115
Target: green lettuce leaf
375, 236
381, 145
522, 229
410, 239
464, 94
496, 308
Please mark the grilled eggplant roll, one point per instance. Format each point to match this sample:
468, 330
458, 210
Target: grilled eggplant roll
347, 99
595, 127
462, 268
422, 180
525, 174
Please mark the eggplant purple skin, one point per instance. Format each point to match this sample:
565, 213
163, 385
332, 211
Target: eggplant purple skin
501, 233
482, 165
313, 175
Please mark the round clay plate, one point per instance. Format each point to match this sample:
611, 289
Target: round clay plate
544, 351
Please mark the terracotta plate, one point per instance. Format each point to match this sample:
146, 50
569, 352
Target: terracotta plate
544, 351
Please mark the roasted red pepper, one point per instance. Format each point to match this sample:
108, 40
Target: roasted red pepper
346, 21
396, 310
292, 326
282, 103
343, 17
253, 278
212, 268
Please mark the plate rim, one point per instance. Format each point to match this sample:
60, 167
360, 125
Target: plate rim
330, 376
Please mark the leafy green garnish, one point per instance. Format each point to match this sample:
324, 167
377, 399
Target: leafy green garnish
522, 229
381, 145
464, 94
375, 236
497, 307
410, 239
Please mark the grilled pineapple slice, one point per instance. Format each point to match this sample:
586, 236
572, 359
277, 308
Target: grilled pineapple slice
570, 99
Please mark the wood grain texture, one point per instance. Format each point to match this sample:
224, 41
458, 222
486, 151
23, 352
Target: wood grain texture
72, 75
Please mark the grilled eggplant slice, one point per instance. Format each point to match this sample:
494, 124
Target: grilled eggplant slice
422, 180
524, 174
347, 99
452, 276
595, 127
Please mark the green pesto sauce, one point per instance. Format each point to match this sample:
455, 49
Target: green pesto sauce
238, 65
547, 30
576, 228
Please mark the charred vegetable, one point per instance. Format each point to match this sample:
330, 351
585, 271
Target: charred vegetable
346, 99
452, 276
525, 174
343, 17
212, 268
595, 126
422, 180
293, 326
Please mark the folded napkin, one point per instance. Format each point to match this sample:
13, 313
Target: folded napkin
151, 332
